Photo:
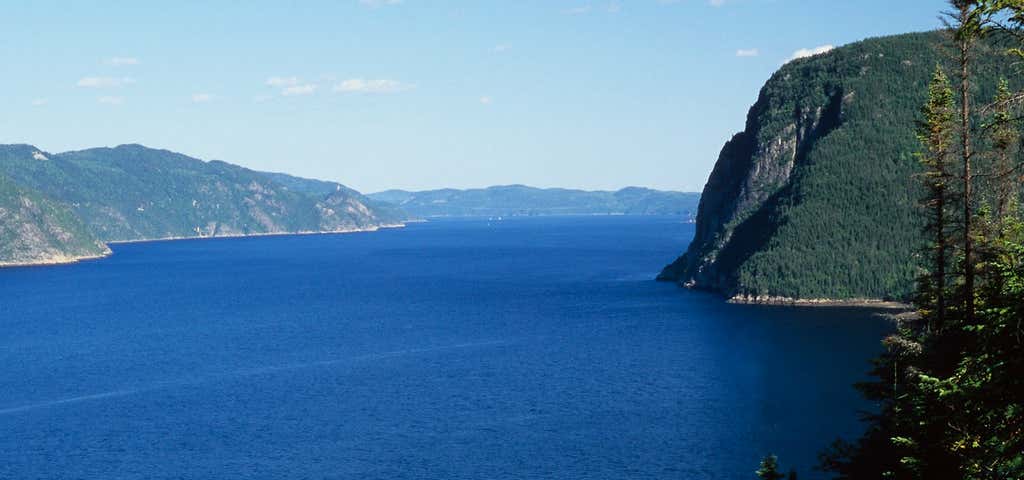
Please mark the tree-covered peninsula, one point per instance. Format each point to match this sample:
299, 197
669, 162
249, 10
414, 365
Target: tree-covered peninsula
62, 207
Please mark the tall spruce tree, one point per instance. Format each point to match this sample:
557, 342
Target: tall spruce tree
967, 26
953, 397
936, 135
1004, 137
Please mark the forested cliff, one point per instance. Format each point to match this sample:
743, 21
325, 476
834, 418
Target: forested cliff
816, 197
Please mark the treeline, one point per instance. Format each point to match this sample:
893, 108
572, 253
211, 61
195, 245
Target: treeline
951, 381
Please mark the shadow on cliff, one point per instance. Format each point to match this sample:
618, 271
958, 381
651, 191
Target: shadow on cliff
753, 233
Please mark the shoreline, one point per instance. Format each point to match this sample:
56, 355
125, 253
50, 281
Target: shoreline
57, 260
72, 259
818, 302
263, 234
780, 301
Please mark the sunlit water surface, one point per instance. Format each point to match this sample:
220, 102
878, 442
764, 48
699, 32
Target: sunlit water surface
456, 349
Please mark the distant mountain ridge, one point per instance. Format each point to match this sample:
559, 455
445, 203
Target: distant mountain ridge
132, 192
513, 200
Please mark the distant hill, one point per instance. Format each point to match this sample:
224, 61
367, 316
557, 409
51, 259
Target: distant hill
816, 198
384, 211
515, 200
131, 192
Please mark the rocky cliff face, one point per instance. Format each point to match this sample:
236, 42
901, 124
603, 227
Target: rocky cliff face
341, 208
753, 169
815, 198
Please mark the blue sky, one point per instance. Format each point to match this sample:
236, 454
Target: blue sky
414, 93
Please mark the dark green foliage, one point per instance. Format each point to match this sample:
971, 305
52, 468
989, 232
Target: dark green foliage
935, 133
769, 469
515, 200
1003, 184
953, 398
817, 197
952, 392
984, 393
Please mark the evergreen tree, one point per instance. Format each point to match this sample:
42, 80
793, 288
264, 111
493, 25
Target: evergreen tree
987, 389
953, 397
967, 26
1004, 138
935, 133
769, 469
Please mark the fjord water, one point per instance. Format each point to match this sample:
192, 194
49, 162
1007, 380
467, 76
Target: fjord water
524, 348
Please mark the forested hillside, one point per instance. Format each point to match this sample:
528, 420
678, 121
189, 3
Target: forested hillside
34, 230
816, 197
133, 193
949, 387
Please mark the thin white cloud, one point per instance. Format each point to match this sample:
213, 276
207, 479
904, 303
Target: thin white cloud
110, 100
122, 61
360, 85
613, 7
283, 81
104, 82
292, 86
810, 52
379, 3
748, 52
38, 102
501, 48
485, 100
712, 3
203, 97
303, 89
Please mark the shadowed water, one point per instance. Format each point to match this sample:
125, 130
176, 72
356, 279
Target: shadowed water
527, 348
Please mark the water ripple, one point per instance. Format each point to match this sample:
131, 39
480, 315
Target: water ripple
246, 373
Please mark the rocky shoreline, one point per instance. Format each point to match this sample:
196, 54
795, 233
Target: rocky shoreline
264, 234
817, 302
61, 259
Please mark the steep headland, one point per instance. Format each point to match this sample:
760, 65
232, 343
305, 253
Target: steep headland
816, 197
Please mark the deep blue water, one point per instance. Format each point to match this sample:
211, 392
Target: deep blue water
529, 348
